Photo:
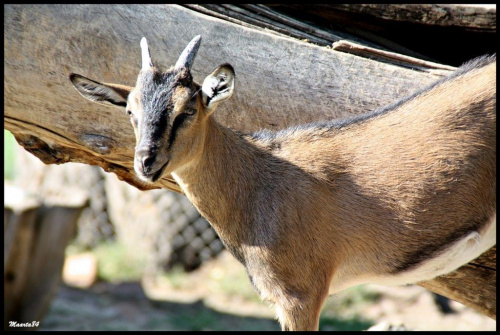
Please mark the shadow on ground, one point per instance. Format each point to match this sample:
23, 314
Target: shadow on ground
124, 306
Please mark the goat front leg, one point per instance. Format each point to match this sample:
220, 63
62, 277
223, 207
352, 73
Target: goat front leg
300, 313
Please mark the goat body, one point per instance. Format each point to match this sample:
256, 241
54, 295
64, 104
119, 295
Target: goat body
400, 195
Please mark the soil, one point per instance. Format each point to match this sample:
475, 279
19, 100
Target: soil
194, 304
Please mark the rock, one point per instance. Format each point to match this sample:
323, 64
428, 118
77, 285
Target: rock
385, 326
80, 270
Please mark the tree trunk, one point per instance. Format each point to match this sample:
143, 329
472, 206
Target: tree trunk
278, 79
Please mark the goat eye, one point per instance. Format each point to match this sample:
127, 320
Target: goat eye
190, 111
129, 113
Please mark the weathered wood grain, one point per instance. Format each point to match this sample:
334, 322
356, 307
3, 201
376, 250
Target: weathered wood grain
473, 284
391, 57
487, 260
444, 33
234, 11
472, 16
279, 81
478, 16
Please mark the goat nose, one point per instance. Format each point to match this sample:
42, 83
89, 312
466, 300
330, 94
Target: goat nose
147, 162
146, 158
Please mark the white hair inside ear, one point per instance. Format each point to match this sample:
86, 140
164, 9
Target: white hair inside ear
218, 86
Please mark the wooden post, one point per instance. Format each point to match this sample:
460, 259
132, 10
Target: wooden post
36, 234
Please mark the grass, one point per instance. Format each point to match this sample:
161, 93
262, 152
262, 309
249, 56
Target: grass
224, 279
349, 324
116, 263
8, 159
200, 318
176, 276
234, 282
205, 319
342, 311
351, 298
90, 310
218, 278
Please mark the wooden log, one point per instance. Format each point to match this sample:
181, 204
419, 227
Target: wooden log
450, 34
473, 285
261, 16
392, 57
274, 16
278, 78
36, 234
479, 17
256, 20
473, 16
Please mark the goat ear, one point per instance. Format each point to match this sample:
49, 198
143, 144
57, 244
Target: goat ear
218, 86
106, 94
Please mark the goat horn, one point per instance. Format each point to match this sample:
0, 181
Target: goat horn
147, 63
187, 56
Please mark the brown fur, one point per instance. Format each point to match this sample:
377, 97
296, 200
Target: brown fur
377, 194
372, 198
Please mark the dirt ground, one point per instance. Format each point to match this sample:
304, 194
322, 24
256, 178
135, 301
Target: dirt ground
203, 300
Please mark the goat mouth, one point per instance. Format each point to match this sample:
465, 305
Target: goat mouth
153, 176
159, 173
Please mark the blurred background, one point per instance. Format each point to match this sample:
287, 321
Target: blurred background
132, 260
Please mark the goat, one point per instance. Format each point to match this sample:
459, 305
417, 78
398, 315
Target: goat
400, 195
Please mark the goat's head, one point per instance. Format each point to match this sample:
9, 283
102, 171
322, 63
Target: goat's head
167, 109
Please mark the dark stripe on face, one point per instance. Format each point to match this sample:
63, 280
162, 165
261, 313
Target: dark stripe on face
156, 97
178, 123
153, 128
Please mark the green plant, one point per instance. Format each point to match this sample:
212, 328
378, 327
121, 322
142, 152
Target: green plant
118, 263
237, 283
352, 323
176, 276
342, 311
